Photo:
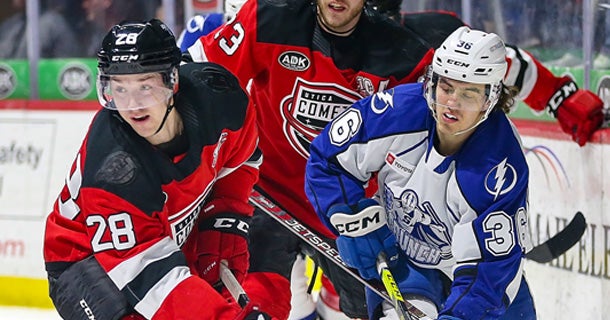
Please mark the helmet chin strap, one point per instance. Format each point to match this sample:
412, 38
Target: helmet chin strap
169, 109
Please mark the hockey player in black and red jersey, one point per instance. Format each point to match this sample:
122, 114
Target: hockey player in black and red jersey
158, 193
308, 61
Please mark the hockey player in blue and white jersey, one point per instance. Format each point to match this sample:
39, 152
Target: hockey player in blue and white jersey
200, 25
450, 212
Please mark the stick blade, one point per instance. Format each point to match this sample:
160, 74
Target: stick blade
561, 242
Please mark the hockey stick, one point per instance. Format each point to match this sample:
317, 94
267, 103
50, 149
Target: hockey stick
326, 249
236, 290
404, 311
544, 252
561, 242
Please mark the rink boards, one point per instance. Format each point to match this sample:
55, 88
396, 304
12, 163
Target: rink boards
39, 140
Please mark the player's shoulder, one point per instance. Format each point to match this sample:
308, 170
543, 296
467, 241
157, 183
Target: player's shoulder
284, 6
495, 139
116, 161
399, 109
432, 26
214, 93
492, 163
285, 21
407, 100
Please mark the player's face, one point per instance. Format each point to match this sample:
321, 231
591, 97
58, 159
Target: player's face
339, 15
141, 100
459, 105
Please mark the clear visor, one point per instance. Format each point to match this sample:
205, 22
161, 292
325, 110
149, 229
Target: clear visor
124, 93
460, 95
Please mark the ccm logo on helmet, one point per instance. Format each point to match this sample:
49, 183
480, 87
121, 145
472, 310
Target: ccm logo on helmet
458, 63
125, 58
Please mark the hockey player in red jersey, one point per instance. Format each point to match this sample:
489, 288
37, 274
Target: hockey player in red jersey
308, 61
158, 193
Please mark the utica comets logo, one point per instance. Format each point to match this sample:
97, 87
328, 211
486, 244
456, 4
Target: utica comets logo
309, 108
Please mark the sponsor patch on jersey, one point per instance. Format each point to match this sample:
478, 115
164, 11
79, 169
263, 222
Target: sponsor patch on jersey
118, 168
501, 179
75, 81
293, 60
8, 81
395, 163
309, 108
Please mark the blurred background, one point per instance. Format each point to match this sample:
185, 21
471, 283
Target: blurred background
55, 57
48, 70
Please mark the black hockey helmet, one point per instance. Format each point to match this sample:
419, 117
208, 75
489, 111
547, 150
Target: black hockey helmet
138, 47
134, 47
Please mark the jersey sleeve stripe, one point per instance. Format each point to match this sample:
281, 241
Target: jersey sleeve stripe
522, 72
153, 299
151, 275
129, 269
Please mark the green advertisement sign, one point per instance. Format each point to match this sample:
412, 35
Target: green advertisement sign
72, 79
14, 79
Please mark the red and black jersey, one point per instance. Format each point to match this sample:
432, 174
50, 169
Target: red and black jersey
302, 77
133, 207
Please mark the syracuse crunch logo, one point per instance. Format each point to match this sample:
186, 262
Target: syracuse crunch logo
309, 108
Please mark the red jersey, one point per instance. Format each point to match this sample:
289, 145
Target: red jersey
303, 77
133, 207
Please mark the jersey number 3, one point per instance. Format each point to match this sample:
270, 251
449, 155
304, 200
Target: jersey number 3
230, 46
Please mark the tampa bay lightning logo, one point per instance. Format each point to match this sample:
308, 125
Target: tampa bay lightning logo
382, 100
500, 179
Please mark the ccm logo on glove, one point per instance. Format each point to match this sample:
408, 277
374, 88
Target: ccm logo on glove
236, 225
564, 92
222, 237
227, 223
359, 224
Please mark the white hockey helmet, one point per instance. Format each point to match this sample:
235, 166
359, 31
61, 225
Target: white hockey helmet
471, 56
231, 8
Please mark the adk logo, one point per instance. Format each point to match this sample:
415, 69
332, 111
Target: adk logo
75, 81
8, 81
293, 60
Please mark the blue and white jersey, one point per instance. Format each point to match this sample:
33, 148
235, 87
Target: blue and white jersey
197, 27
464, 214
